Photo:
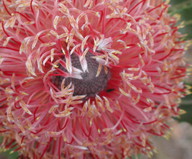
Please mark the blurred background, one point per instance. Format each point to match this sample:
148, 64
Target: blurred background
179, 145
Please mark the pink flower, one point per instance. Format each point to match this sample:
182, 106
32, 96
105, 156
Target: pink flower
88, 79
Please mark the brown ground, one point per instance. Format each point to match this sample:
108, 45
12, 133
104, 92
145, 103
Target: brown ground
179, 146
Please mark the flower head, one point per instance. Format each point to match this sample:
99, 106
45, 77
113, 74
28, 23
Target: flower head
88, 79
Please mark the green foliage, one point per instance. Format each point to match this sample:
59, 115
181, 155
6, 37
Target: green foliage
187, 106
7, 154
183, 8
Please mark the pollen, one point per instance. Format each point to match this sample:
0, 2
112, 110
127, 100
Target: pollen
93, 80
88, 78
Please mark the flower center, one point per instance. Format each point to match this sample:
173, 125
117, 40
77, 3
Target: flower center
91, 82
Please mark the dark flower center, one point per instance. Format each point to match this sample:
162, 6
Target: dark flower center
91, 83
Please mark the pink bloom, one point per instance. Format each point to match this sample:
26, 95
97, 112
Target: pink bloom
88, 78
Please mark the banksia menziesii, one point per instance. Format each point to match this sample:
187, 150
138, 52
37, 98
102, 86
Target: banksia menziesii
88, 78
